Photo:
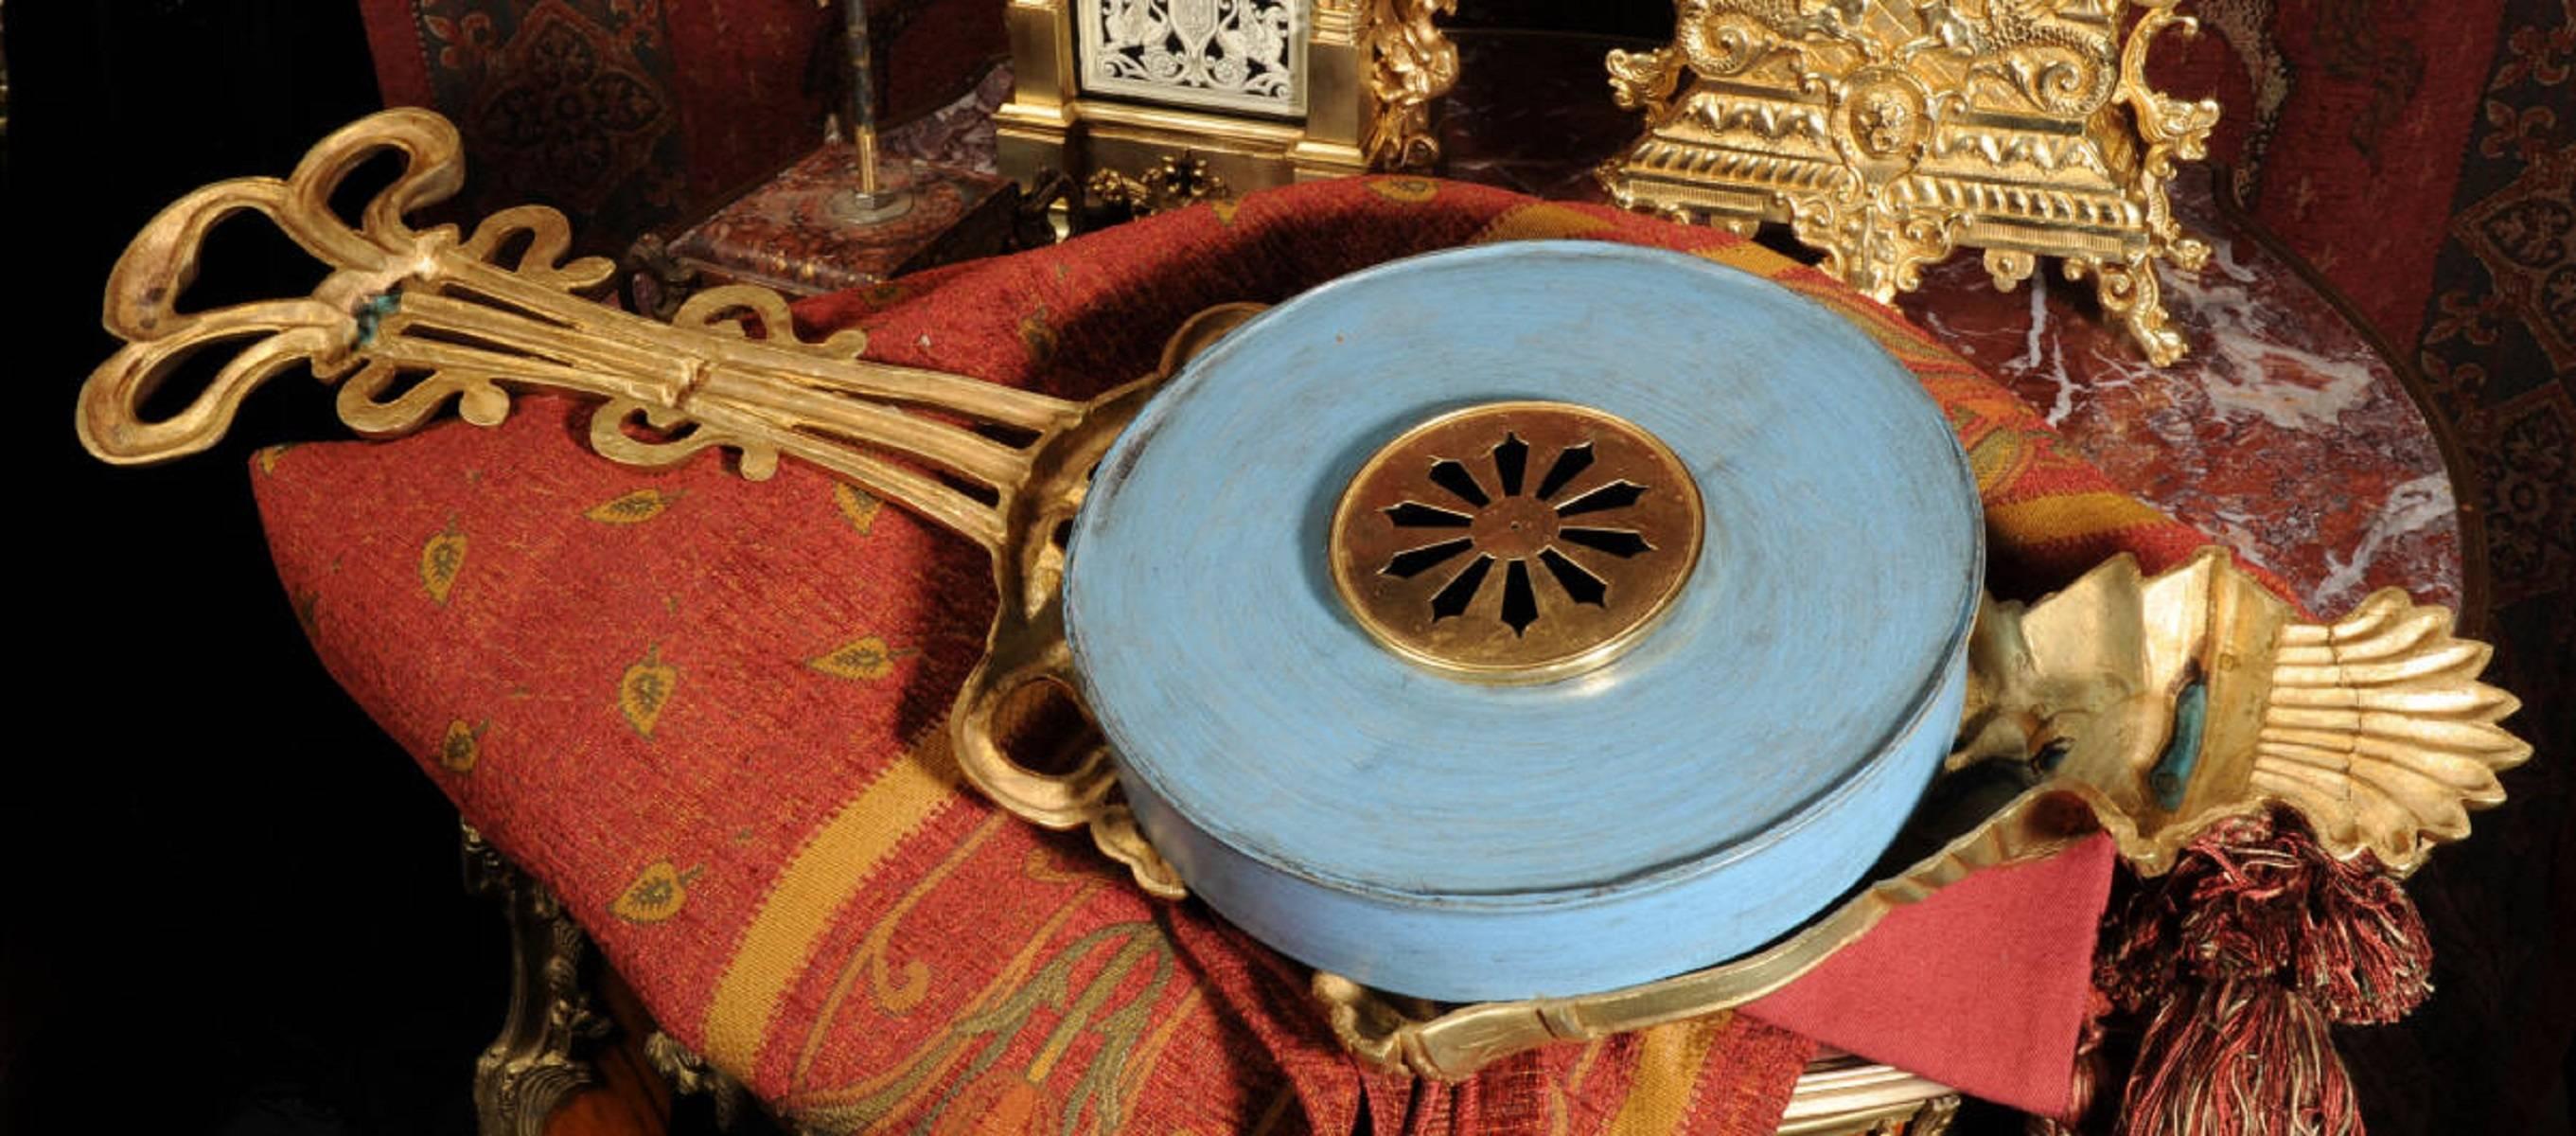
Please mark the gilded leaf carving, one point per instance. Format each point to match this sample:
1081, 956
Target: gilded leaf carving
2378, 731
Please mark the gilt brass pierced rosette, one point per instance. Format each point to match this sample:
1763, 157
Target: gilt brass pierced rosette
1515, 542
1631, 753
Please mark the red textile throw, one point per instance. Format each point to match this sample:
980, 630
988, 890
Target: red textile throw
1885, 987
2241, 957
707, 713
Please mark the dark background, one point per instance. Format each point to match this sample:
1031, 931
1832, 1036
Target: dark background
231, 905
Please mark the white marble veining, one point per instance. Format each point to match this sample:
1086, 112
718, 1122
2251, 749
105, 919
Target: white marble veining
2246, 360
2411, 507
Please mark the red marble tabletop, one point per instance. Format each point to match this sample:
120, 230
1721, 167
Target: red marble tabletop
2284, 433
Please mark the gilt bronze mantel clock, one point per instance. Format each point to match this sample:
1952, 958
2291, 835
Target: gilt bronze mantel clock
1148, 103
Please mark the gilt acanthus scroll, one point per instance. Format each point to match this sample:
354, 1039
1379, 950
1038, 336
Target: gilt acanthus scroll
1888, 133
1263, 92
1411, 64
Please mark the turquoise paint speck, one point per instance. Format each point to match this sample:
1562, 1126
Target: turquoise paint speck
2172, 774
372, 312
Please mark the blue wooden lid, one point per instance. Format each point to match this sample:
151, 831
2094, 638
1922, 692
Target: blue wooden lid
1296, 770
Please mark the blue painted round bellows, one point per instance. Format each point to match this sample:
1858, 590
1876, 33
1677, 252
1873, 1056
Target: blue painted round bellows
1720, 782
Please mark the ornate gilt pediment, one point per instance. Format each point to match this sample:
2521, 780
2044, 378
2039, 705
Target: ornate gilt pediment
1888, 133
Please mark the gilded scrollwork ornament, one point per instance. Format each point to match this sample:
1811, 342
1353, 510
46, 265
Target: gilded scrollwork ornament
690, 1075
1267, 92
1172, 181
1889, 133
538, 1061
1411, 64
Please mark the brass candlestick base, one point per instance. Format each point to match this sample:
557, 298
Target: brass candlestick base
861, 207
873, 202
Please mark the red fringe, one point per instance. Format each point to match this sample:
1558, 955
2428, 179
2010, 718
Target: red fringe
2367, 960
2245, 1057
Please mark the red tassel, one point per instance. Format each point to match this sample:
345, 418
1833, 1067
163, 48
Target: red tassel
2241, 957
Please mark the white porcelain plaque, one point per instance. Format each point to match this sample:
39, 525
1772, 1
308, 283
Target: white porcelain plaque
1243, 55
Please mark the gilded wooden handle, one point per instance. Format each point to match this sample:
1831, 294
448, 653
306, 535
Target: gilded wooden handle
1027, 646
321, 329
1023, 656
409, 321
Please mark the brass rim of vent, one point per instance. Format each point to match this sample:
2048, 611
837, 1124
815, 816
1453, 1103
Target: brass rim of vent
1516, 541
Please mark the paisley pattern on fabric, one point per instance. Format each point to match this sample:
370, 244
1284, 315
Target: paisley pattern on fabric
1037, 336
645, 689
441, 560
462, 747
655, 895
866, 658
857, 506
633, 508
1410, 190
